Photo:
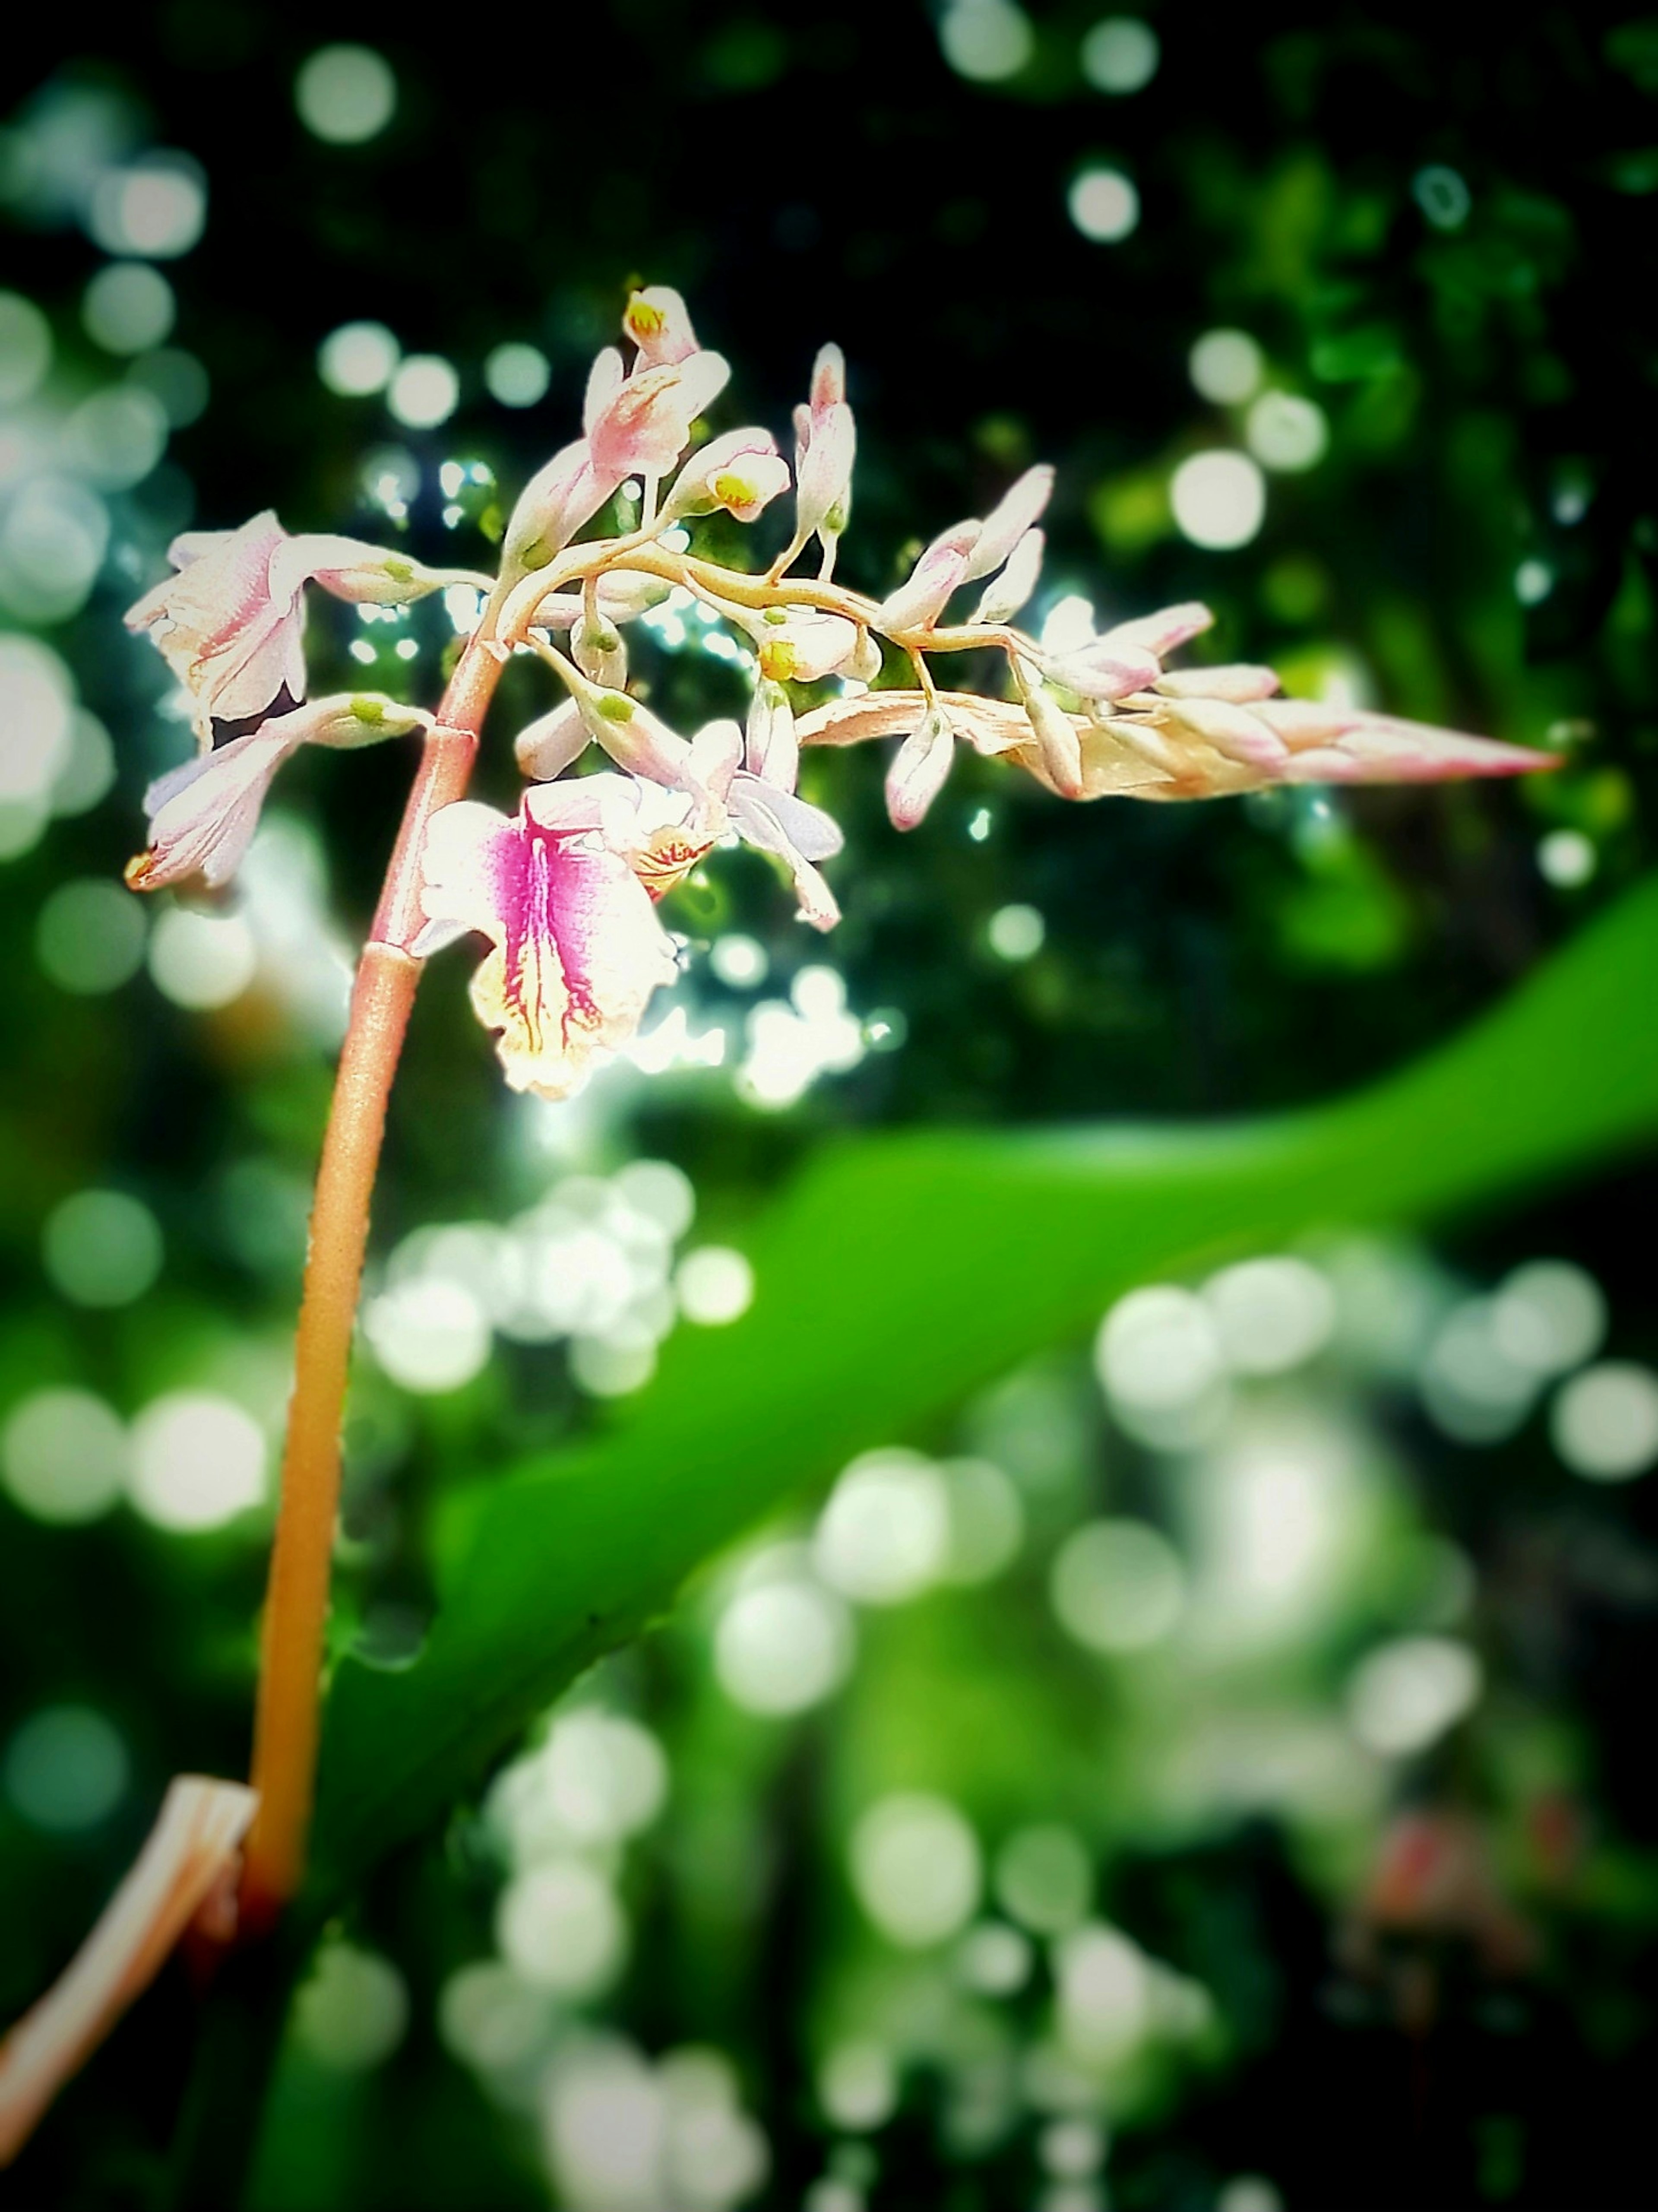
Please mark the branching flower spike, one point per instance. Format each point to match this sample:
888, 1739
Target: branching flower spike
564, 890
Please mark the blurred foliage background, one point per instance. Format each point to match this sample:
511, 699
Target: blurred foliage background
1208, 1763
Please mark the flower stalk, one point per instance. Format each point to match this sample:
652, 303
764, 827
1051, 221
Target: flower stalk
287, 1713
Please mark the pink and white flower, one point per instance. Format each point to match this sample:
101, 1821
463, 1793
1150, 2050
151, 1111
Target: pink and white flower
658, 322
798, 645
741, 472
203, 814
576, 949
639, 425
230, 623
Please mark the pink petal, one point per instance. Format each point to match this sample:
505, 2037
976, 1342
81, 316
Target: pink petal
577, 949
1160, 634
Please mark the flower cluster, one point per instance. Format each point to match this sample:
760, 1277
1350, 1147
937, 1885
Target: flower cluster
565, 888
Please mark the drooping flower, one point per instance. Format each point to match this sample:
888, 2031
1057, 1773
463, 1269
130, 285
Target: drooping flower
576, 948
230, 623
203, 814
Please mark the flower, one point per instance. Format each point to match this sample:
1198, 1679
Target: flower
798, 645
825, 446
664, 826
642, 423
229, 623
741, 472
657, 321
563, 494
203, 814
577, 949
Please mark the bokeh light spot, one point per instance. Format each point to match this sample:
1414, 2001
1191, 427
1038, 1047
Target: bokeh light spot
198, 1460
1104, 205
89, 937
128, 307
156, 209
1403, 1698
517, 375
986, 40
201, 961
883, 1536
345, 94
101, 1248
714, 1286
916, 1868
560, 1928
783, 1647
1286, 432
352, 2011
430, 1334
25, 348
1117, 1586
424, 391
1119, 54
1044, 1879
1226, 367
1605, 1421
358, 358
1219, 500
64, 1454
66, 1769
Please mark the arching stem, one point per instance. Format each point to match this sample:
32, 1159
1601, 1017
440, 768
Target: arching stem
286, 1722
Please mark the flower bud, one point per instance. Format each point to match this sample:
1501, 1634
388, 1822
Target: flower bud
919, 770
1005, 594
546, 747
1056, 735
599, 651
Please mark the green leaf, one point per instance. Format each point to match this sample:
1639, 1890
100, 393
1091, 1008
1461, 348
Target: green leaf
900, 1272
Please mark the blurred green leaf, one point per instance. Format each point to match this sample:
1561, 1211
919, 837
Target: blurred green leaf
903, 1271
